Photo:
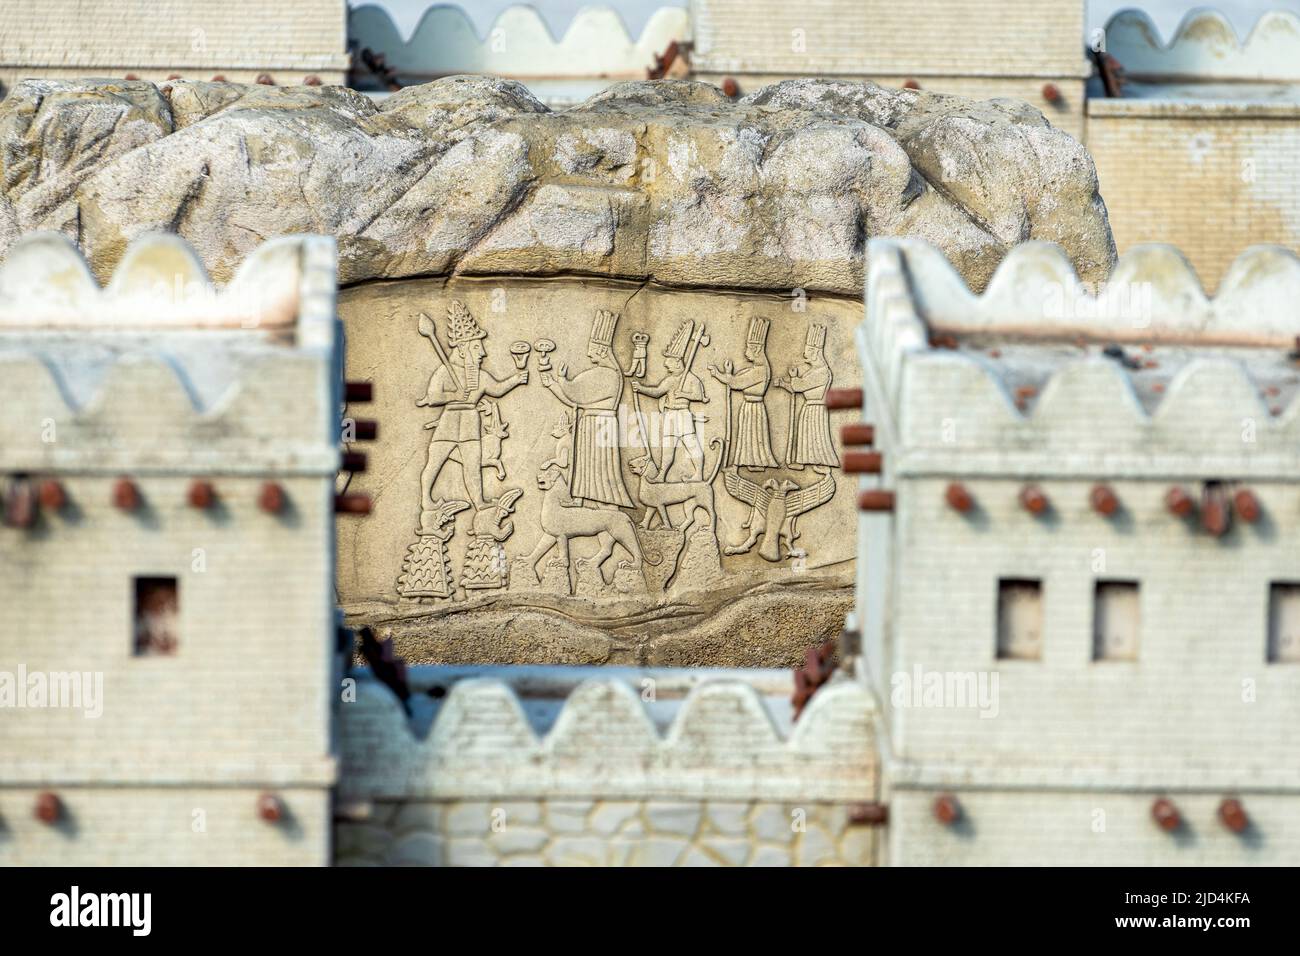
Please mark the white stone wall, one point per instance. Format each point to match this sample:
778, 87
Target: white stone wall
1065, 742
604, 833
716, 778
1089, 828
156, 38
595, 42
1200, 706
190, 825
104, 386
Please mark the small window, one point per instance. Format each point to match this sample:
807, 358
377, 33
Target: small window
1020, 619
1284, 623
157, 616
1115, 620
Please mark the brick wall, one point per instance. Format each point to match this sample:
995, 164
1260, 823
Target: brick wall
1214, 180
1007, 828
1200, 706
937, 37
1059, 754
243, 704
68, 38
165, 826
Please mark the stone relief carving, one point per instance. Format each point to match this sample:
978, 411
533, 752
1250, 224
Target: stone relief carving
463, 390
594, 394
641, 485
774, 508
810, 434
751, 446
426, 569
677, 391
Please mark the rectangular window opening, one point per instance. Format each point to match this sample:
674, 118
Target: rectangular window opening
1020, 619
157, 616
1284, 622
1116, 618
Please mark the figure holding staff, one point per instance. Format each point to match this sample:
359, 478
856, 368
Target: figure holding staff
457, 387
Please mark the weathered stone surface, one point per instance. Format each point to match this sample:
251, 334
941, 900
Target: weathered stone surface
667, 181
665, 205
598, 834
738, 593
680, 819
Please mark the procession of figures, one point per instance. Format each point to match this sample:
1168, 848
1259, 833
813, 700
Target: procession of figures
583, 487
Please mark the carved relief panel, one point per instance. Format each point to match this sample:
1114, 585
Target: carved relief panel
604, 456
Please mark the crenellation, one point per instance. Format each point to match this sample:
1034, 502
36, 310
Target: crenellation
723, 742
1019, 383
1118, 641
1205, 46
149, 630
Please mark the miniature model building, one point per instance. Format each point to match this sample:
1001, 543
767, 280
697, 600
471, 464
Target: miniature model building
168, 454
1077, 588
1075, 632
561, 64
606, 441
1219, 117
1216, 114
241, 41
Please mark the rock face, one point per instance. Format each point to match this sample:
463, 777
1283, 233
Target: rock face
604, 441
666, 181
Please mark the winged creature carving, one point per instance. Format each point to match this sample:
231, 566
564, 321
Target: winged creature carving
774, 508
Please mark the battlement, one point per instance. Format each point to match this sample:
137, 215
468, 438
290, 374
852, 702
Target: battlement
1039, 375
1206, 47
519, 44
721, 739
160, 370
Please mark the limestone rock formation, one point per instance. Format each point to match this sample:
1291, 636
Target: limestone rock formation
652, 238
666, 181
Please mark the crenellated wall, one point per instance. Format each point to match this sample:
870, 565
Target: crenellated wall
120, 404
604, 766
1205, 47
1201, 149
173, 372
1050, 741
1061, 406
594, 50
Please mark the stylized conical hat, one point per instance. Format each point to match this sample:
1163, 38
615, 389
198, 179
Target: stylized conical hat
816, 337
681, 338
758, 327
463, 328
602, 329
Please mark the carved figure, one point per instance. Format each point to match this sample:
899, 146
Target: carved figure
658, 495
594, 394
810, 431
751, 445
640, 349
676, 391
458, 387
495, 431
563, 520
774, 508
426, 569
563, 431
485, 560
